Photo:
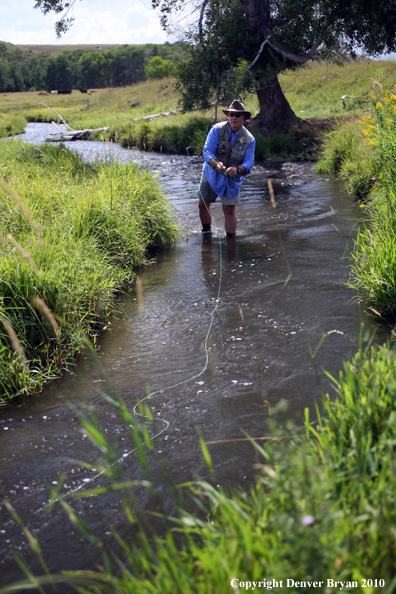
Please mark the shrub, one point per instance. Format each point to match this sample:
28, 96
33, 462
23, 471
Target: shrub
159, 68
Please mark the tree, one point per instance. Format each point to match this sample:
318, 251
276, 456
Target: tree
243, 45
268, 37
159, 68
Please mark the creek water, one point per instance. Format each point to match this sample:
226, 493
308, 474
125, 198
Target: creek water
257, 350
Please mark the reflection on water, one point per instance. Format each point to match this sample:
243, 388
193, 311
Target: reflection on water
257, 349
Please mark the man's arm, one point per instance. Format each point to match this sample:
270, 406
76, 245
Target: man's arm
248, 160
247, 164
211, 144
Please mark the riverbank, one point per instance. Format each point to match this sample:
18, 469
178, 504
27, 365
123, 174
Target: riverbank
361, 152
72, 235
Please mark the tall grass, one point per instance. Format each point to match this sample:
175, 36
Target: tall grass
11, 124
298, 143
362, 152
346, 153
374, 258
191, 131
323, 505
71, 235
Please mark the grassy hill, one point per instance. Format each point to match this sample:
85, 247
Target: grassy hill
55, 50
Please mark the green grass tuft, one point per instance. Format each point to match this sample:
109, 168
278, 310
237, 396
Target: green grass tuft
71, 234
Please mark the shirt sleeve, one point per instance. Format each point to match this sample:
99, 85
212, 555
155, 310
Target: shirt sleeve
211, 144
248, 161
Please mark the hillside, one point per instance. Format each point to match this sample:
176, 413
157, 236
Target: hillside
55, 50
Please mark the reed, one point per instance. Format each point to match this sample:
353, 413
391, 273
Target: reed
73, 235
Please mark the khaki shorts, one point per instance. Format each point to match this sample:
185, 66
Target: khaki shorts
207, 194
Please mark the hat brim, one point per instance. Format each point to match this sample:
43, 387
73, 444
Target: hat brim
245, 113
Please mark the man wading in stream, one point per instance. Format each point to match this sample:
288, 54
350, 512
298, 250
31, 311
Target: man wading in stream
229, 155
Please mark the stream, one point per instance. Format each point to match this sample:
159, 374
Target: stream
257, 351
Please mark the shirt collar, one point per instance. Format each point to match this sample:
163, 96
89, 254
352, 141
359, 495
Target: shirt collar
231, 132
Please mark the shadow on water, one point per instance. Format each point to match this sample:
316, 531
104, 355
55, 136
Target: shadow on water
257, 350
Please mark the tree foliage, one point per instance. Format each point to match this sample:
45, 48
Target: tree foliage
159, 68
237, 46
120, 66
220, 54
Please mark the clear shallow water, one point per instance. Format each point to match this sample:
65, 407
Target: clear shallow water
259, 355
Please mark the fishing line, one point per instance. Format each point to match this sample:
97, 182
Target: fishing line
86, 481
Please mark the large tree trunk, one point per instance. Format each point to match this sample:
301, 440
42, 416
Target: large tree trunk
275, 116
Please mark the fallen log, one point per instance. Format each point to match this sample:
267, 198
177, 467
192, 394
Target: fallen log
70, 134
157, 115
73, 135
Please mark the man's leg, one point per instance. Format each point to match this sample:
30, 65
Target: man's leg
206, 196
204, 212
230, 218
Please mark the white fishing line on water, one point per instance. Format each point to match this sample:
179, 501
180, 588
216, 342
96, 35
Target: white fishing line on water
85, 482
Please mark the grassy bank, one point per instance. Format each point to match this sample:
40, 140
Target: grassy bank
323, 506
71, 235
362, 153
346, 153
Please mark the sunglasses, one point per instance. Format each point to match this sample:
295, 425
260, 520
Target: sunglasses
235, 115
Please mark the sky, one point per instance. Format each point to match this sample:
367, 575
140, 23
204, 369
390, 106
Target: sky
96, 21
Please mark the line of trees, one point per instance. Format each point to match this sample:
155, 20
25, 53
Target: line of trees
116, 67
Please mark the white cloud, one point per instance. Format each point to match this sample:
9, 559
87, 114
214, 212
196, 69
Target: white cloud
97, 22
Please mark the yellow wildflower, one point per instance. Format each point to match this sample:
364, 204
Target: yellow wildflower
378, 105
388, 121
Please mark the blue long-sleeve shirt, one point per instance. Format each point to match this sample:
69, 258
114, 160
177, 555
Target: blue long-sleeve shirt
219, 182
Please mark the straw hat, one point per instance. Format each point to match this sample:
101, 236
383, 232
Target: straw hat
237, 107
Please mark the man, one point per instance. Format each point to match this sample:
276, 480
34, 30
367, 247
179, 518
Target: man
229, 155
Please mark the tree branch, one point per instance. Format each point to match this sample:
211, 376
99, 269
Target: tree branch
285, 53
201, 16
259, 53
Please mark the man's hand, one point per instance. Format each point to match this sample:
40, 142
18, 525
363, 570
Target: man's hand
232, 171
218, 165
